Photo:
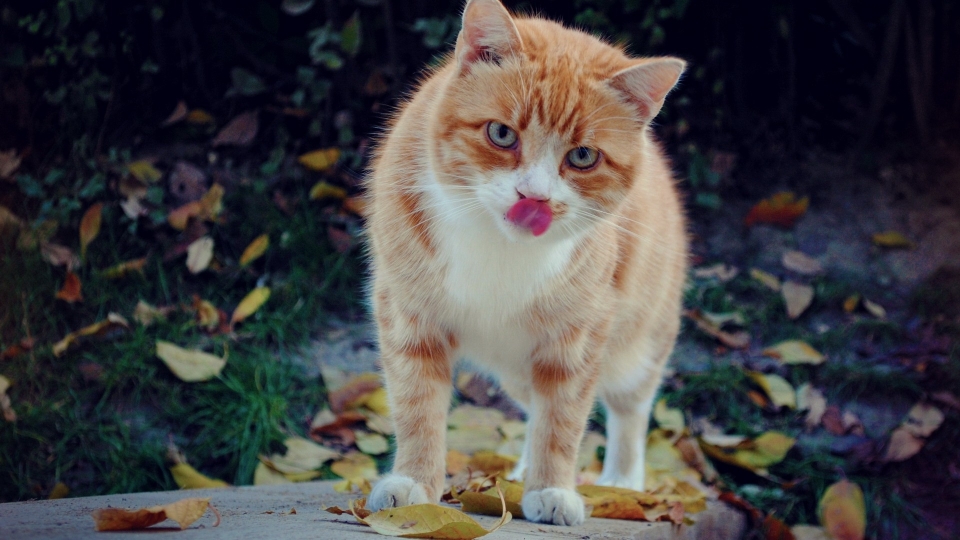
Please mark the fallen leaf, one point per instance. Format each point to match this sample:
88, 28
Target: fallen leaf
358, 510
144, 171
794, 351
908, 439
902, 445
124, 268
320, 160
59, 491
239, 132
327, 426
798, 298
430, 521
374, 444
487, 502
302, 459
323, 190
782, 209
111, 323
190, 365
851, 302
296, 7
801, 263
491, 463
813, 401
893, 240
199, 254
58, 255
263, 475
355, 466
208, 207
721, 272
775, 529
842, 511
200, 116
189, 478
777, 389
9, 163
184, 512
874, 309
456, 462
17, 349
255, 250
754, 454
89, 227
208, 316
361, 485
668, 418
6, 406
70, 292
768, 280
250, 304
735, 340
923, 419
808, 532
179, 113
354, 392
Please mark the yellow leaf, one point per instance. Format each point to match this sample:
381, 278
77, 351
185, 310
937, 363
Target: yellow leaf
208, 316
59, 491
355, 466
124, 268
348, 486
756, 455
372, 443
200, 116
487, 502
256, 248
302, 458
323, 190
456, 462
112, 322
875, 309
491, 463
843, 512
430, 521
377, 402
808, 532
798, 298
250, 304
184, 512
199, 254
179, 217
320, 160
89, 227
893, 239
189, 478
190, 365
211, 204
667, 417
6, 407
265, 476
780, 392
794, 351
144, 171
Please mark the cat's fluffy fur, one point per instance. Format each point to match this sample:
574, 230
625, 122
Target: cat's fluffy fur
589, 309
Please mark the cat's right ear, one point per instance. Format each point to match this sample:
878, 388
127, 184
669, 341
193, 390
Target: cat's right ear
488, 34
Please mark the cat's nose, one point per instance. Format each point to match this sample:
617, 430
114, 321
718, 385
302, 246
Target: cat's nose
532, 194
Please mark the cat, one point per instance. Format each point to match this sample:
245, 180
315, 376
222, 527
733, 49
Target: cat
521, 215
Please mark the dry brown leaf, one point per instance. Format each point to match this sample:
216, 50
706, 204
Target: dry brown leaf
301, 460
355, 466
17, 349
782, 209
89, 227
113, 322
240, 131
208, 207
124, 268
185, 512
179, 113
200, 116
843, 512
354, 392
735, 340
255, 249
756, 455
902, 445
70, 292
6, 407
491, 463
851, 302
798, 298
199, 254
190, 365
358, 510
908, 439
189, 478
801, 263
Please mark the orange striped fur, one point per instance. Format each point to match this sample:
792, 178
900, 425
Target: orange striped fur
588, 308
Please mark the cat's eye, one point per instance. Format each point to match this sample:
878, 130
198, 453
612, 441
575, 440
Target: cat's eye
501, 135
583, 157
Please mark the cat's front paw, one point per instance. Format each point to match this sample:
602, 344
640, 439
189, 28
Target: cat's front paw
553, 505
396, 490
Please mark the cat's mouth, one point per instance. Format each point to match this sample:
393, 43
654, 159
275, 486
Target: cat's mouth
531, 214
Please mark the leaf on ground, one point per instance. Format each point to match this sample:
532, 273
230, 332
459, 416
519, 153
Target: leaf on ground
9, 163
89, 227
842, 511
70, 292
113, 322
240, 131
355, 466
250, 304
208, 207
666, 460
782, 209
200, 117
808, 532
179, 114
255, 249
908, 439
190, 365
301, 460
59, 491
6, 406
801, 263
473, 429
361, 485
144, 171
355, 392
798, 298
780, 392
491, 463
487, 501
320, 160
775, 529
296, 7
124, 268
326, 425
667, 417
721, 272
851, 302
753, 454
813, 401
621, 503
199, 254
893, 240
373, 444
874, 309
735, 340
189, 478
185, 512
207, 314
456, 462
266, 476
323, 190
794, 351
431, 521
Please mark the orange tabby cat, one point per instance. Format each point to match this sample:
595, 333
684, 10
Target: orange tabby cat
523, 217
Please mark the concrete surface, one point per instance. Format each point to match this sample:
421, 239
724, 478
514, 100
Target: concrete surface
264, 512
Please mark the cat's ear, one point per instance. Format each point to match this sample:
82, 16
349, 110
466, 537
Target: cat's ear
488, 34
646, 84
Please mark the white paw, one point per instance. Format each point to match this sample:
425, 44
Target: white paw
553, 505
395, 490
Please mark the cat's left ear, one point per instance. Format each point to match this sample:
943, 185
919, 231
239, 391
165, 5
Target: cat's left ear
488, 34
647, 83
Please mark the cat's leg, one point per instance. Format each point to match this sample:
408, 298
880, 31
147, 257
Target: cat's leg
416, 363
521, 396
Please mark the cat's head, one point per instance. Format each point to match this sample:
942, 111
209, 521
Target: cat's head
543, 125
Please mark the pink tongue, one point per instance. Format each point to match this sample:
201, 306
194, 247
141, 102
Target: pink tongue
531, 214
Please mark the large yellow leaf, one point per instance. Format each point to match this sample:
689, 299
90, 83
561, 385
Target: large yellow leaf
255, 250
250, 304
189, 478
190, 365
777, 389
843, 512
794, 351
430, 521
320, 160
184, 512
89, 227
